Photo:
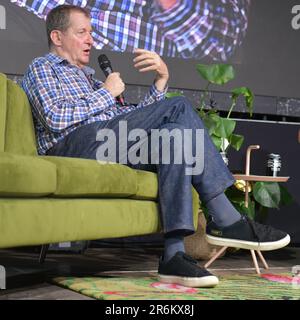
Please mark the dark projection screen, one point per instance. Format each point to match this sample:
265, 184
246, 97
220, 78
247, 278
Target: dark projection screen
259, 37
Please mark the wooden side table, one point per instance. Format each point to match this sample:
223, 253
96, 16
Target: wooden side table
247, 178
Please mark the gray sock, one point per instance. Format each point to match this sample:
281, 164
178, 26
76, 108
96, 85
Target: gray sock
222, 211
172, 245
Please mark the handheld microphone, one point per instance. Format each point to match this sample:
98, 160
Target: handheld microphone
106, 67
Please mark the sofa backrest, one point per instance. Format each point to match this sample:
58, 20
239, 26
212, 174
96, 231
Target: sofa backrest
16, 123
2, 110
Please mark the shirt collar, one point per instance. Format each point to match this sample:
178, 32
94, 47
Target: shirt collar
55, 59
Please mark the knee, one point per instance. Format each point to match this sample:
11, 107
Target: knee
181, 104
180, 100
185, 104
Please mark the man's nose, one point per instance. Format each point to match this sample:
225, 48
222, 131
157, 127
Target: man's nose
90, 39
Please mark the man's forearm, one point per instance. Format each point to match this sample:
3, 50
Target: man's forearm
161, 83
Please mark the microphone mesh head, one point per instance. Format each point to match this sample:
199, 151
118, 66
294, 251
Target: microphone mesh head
103, 61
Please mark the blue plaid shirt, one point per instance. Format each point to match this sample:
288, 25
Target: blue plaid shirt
64, 97
190, 29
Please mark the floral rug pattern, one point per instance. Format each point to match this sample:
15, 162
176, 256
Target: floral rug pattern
233, 287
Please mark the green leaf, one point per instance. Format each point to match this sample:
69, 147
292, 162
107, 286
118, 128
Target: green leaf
216, 73
201, 113
210, 121
248, 95
267, 194
217, 141
286, 197
236, 141
225, 127
174, 94
213, 113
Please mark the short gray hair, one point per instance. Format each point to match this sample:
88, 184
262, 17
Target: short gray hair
59, 19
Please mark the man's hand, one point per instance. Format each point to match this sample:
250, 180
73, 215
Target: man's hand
114, 84
150, 61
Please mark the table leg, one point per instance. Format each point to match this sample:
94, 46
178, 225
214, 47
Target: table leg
255, 261
216, 256
262, 259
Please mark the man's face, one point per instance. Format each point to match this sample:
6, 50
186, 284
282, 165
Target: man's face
76, 41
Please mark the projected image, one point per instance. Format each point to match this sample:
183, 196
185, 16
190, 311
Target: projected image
189, 29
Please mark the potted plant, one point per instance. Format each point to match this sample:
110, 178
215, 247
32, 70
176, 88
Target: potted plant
221, 129
262, 195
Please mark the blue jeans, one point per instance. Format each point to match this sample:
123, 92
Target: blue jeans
175, 192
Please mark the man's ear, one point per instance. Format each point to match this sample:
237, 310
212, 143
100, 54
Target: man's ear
55, 36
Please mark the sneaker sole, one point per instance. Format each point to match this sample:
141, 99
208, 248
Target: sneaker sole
202, 282
261, 246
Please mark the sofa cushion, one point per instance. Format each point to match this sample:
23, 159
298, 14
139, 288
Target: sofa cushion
90, 178
26, 176
48, 220
147, 185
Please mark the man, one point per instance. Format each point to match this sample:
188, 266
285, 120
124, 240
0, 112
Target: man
70, 108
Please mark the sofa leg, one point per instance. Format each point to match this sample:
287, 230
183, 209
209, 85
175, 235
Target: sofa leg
43, 253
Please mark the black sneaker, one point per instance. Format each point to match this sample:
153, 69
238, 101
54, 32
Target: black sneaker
182, 269
247, 234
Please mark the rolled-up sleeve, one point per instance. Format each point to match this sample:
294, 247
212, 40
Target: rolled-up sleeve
153, 95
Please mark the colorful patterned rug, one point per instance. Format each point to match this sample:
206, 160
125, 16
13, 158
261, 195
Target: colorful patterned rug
231, 287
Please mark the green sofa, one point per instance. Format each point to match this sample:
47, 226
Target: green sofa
46, 199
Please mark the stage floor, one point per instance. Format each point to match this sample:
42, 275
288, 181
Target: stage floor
27, 279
